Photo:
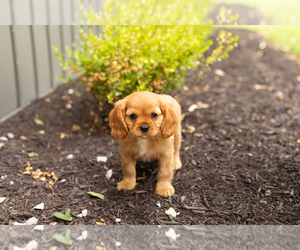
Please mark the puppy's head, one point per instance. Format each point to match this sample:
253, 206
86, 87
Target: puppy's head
144, 114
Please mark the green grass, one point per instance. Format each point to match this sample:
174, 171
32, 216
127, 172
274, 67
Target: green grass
286, 31
279, 11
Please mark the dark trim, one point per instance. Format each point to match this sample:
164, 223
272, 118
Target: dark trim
32, 12
12, 13
48, 12
15, 65
34, 62
49, 55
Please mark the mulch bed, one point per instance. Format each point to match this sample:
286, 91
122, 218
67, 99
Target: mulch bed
240, 165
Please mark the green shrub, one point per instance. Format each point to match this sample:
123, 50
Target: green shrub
128, 58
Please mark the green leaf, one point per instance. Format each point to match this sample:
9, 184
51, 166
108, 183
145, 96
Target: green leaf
38, 122
67, 216
31, 154
63, 239
100, 196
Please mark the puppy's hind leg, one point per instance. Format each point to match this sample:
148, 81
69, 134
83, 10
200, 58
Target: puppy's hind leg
177, 144
129, 179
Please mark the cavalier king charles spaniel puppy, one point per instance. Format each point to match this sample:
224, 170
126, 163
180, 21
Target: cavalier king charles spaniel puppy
148, 126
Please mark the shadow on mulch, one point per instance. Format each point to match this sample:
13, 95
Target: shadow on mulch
240, 165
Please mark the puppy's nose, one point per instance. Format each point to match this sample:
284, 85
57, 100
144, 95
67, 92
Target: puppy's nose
144, 128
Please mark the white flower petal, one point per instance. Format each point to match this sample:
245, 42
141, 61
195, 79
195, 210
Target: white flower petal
31, 221
193, 107
171, 212
10, 135
84, 212
171, 234
40, 206
109, 174
32, 245
2, 199
84, 234
70, 156
39, 228
101, 158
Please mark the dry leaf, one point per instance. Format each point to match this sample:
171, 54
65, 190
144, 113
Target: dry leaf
279, 95
75, 128
201, 105
260, 87
38, 122
219, 72
226, 84
206, 88
198, 134
204, 125
100, 223
62, 135
260, 53
268, 191
191, 129
100, 248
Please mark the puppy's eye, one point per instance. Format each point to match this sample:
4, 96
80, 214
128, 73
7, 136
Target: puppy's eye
133, 116
153, 115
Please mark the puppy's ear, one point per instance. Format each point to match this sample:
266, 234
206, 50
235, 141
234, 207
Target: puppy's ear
170, 121
117, 120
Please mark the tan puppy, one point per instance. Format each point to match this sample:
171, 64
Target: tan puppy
148, 126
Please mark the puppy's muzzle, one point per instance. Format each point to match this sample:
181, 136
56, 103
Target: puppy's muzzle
144, 129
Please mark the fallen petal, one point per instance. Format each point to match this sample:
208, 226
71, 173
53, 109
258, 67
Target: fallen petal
219, 72
70, 156
171, 234
84, 212
32, 245
39, 228
39, 206
171, 212
84, 234
10, 135
109, 174
2, 199
193, 107
31, 221
101, 158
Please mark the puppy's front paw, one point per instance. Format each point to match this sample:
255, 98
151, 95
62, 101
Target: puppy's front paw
178, 163
164, 189
125, 184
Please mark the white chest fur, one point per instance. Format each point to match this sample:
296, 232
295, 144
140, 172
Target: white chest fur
142, 145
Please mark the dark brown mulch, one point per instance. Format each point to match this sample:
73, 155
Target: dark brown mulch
244, 169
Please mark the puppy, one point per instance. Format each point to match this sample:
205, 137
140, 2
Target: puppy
148, 126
